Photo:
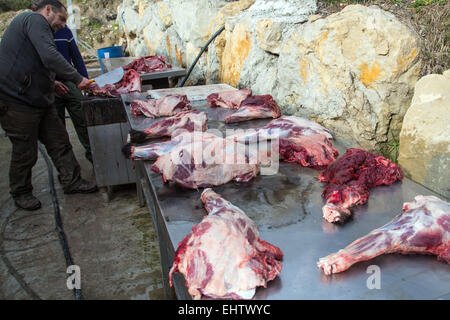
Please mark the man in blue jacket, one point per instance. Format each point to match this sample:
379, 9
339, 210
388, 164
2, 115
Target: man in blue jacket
67, 46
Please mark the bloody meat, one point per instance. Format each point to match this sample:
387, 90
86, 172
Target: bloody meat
351, 177
148, 64
422, 228
131, 82
223, 256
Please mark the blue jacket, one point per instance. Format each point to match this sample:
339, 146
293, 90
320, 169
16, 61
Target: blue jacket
67, 46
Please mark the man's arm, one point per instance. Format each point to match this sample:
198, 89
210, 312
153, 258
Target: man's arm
41, 36
76, 57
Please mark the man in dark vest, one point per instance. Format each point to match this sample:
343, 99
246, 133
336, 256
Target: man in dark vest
29, 62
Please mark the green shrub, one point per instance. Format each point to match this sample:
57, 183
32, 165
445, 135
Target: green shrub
14, 5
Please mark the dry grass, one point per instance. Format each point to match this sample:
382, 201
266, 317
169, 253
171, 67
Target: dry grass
430, 20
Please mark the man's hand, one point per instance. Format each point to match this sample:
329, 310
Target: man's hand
61, 88
84, 84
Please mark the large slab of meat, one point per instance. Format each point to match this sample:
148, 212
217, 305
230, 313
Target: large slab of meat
255, 107
248, 107
351, 177
148, 64
287, 126
423, 228
223, 256
131, 82
228, 99
300, 140
190, 121
168, 105
206, 163
152, 151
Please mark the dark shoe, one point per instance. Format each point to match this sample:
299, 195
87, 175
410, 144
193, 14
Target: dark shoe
27, 202
84, 187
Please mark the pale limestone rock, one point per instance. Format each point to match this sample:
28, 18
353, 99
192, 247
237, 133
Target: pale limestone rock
171, 47
164, 14
198, 74
447, 74
249, 57
191, 18
314, 17
216, 49
353, 71
425, 137
153, 32
269, 35
131, 18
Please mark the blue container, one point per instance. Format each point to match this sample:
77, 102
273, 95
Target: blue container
111, 52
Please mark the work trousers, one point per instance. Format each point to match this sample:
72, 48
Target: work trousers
25, 125
72, 102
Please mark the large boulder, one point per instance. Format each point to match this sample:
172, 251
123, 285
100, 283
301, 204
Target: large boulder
354, 72
425, 136
216, 49
191, 18
253, 40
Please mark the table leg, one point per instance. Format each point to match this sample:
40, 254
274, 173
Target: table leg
140, 193
139, 188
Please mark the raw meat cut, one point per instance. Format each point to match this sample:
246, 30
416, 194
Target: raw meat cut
300, 140
351, 177
191, 120
255, 107
314, 151
152, 151
249, 107
168, 105
286, 126
423, 228
148, 64
131, 82
228, 99
223, 256
206, 162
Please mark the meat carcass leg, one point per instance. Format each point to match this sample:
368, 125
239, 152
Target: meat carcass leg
423, 228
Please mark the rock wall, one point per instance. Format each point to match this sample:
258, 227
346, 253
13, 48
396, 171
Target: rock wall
353, 71
425, 137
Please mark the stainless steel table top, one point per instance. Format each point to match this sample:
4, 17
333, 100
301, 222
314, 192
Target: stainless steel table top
287, 209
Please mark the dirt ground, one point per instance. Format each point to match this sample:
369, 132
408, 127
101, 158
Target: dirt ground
114, 243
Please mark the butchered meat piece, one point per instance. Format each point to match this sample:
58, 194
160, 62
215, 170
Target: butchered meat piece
351, 177
314, 151
189, 121
423, 228
153, 150
206, 163
228, 99
148, 64
168, 105
131, 82
223, 256
255, 107
300, 140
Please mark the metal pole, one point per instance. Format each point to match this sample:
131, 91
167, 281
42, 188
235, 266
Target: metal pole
72, 24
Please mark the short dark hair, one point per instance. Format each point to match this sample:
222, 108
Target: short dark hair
38, 5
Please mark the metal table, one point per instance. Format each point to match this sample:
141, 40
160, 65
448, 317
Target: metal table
287, 209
